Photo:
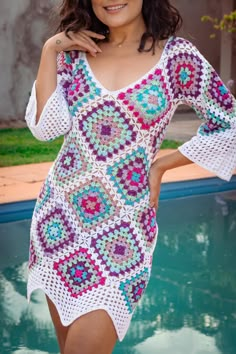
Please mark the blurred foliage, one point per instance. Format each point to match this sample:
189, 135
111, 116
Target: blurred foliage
227, 23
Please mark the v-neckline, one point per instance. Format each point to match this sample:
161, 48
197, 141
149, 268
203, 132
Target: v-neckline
132, 84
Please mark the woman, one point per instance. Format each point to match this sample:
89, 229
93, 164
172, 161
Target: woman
110, 81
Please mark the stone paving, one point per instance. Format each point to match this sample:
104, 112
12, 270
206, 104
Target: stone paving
23, 182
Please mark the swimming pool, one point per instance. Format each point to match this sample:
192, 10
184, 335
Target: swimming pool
190, 304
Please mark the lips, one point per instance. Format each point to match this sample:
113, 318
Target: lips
115, 8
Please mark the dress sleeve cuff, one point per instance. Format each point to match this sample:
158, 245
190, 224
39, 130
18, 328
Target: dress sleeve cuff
215, 154
55, 119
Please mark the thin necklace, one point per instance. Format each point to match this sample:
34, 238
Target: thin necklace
120, 45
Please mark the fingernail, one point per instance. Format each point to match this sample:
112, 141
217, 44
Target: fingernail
152, 205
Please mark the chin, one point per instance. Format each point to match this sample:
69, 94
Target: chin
116, 23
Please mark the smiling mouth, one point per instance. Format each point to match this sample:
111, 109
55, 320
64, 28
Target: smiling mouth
115, 8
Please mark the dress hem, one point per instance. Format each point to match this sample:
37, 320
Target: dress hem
79, 314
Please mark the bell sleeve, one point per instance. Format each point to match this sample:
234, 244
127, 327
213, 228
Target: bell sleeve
199, 86
55, 119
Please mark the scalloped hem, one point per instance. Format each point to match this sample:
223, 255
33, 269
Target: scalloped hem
79, 314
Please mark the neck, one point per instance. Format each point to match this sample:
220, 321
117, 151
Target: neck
129, 33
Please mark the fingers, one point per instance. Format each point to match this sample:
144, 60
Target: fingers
154, 195
77, 39
91, 42
85, 43
153, 202
93, 34
155, 188
81, 40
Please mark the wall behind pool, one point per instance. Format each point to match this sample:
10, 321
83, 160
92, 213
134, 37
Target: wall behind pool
24, 28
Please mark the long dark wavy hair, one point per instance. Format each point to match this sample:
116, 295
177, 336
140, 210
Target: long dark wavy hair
162, 20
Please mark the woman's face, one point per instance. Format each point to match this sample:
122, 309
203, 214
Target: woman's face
117, 13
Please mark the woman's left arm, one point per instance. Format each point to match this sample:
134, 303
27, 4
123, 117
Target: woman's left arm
195, 83
157, 170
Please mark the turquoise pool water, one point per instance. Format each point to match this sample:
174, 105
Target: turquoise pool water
189, 306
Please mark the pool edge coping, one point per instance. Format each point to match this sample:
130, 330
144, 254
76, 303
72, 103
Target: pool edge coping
19, 210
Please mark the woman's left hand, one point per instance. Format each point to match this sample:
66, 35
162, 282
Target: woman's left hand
155, 177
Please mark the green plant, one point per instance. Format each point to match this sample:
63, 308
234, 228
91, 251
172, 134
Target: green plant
227, 23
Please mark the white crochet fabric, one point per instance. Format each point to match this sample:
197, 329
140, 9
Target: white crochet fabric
93, 232
55, 119
214, 146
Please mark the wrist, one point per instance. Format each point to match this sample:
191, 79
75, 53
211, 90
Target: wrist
51, 46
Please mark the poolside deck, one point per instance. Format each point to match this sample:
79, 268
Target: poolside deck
23, 182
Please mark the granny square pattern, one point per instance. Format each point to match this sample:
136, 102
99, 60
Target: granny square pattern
44, 195
149, 101
82, 89
93, 231
70, 163
146, 221
106, 130
54, 231
186, 72
118, 249
92, 204
79, 272
130, 176
216, 91
132, 289
32, 255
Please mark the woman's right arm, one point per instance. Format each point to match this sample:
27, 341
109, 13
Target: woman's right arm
47, 113
46, 81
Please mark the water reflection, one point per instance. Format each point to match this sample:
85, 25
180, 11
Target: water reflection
183, 341
190, 303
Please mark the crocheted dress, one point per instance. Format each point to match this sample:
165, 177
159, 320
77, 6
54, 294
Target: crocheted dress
93, 232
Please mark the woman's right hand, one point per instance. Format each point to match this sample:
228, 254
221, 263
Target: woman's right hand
82, 40
46, 80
